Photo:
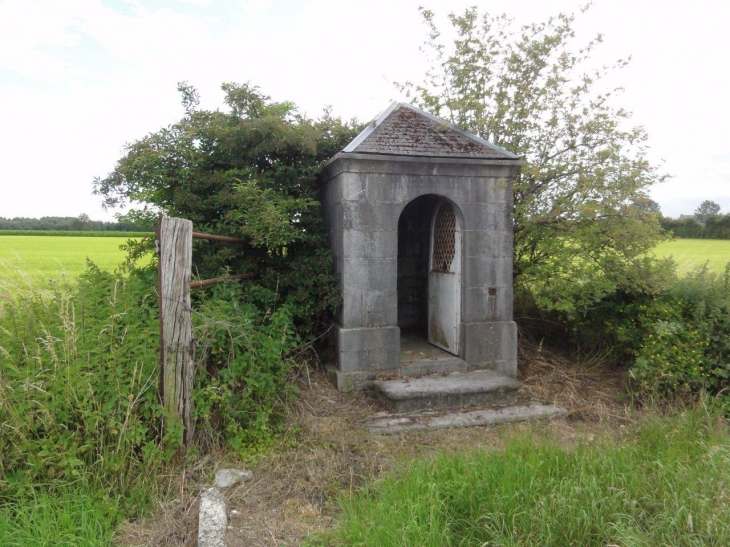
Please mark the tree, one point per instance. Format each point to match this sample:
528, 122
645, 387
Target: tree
83, 221
580, 231
706, 211
649, 206
248, 172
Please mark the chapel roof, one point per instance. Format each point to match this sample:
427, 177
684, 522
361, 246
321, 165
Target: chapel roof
404, 130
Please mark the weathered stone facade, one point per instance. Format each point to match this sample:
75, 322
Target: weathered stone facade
379, 235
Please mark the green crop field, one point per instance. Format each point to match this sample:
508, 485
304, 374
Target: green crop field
54, 257
691, 253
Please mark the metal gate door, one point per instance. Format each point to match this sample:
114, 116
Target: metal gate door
444, 279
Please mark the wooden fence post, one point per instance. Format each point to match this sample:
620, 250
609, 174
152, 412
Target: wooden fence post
176, 339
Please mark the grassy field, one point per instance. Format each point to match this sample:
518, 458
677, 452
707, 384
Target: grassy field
51, 257
69, 233
690, 253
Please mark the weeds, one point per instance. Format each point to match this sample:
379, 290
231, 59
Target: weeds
74, 517
78, 377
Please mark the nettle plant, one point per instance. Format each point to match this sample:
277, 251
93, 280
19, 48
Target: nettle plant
78, 384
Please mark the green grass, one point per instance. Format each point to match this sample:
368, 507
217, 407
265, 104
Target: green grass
665, 483
691, 253
51, 257
70, 233
72, 518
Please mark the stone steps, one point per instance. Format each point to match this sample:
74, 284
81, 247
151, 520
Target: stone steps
388, 424
453, 391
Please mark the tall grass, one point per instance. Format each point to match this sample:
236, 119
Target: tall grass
72, 518
80, 440
667, 483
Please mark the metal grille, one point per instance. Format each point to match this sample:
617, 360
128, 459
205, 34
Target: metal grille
444, 239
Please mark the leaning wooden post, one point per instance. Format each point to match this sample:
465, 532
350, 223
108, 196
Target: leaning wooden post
176, 338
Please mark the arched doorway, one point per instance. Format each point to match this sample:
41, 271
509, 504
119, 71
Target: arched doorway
429, 272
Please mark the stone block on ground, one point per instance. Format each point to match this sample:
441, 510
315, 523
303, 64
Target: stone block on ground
225, 478
212, 519
389, 425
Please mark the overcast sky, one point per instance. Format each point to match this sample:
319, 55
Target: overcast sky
80, 78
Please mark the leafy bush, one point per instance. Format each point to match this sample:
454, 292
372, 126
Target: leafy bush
581, 223
248, 172
245, 358
688, 348
677, 342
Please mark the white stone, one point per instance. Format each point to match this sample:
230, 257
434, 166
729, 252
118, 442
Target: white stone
225, 478
212, 519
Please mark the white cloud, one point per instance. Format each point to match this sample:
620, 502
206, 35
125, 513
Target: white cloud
202, 3
86, 77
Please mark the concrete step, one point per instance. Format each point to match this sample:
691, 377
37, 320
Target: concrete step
431, 366
387, 424
457, 390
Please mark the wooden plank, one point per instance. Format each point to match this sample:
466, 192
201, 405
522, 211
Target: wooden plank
176, 340
206, 282
212, 237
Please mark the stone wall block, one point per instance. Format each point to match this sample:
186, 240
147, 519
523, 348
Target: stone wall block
480, 189
354, 308
382, 244
505, 303
355, 243
380, 188
356, 274
366, 216
485, 271
474, 306
491, 345
382, 273
501, 219
487, 304
352, 187
500, 191
491, 243
382, 308
370, 244
457, 189
356, 215
385, 216
479, 217
368, 348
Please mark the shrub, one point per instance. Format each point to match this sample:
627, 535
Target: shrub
686, 344
244, 360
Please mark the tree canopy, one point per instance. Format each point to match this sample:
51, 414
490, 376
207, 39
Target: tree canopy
707, 210
248, 172
581, 229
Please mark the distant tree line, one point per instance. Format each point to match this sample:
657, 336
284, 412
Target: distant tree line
717, 227
80, 223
